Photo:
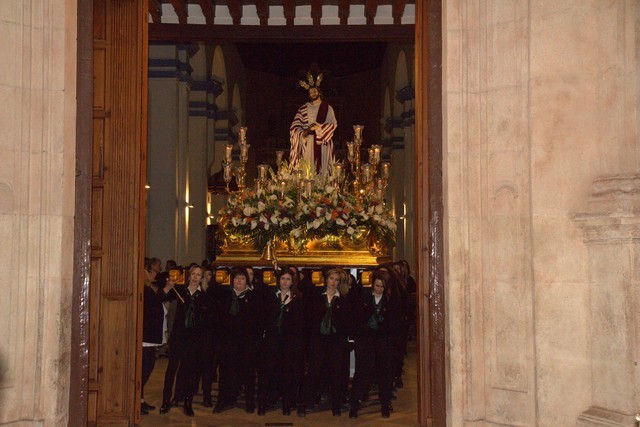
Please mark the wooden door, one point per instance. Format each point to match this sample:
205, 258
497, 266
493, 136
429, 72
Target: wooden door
118, 209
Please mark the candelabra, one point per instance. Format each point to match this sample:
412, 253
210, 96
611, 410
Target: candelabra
366, 179
240, 171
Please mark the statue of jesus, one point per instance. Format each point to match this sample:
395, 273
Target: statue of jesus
311, 133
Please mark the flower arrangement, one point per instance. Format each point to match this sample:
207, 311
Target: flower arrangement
287, 211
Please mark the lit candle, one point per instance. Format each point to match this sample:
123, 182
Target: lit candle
337, 171
379, 194
262, 172
377, 149
283, 188
243, 135
297, 175
279, 155
358, 131
258, 185
226, 166
366, 173
352, 150
372, 156
227, 153
380, 183
386, 169
308, 187
244, 152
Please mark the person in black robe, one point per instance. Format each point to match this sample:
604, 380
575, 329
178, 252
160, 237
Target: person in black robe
281, 347
185, 342
326, 344
377, 318
238, 320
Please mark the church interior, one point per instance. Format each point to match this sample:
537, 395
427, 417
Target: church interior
512, 128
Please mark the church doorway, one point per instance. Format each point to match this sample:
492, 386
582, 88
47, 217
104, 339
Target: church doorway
119, 133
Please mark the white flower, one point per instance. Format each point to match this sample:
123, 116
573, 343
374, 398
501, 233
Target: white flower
261, 206
350, 230
316, 223
266, 225
329, 189
339, 221
296, 232
263, 219
234, 221
379, 209
284, 221
376, 217
254, 224
274, 219
318, 211
248, 210
327, 216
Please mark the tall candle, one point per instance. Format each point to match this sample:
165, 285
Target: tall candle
358, 131
243, 135
227, 153
377, 149
351, 150
244, 152
337, 171
262, 172
279, 155
386, 169
226, 166
366, 173
372, 156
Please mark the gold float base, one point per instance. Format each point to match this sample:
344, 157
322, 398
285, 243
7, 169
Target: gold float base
359, 250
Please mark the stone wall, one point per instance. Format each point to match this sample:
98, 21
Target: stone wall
540, 102
37, 145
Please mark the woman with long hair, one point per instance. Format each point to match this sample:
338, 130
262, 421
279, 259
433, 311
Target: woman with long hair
377, 319
326, 344
282, 345
185, 341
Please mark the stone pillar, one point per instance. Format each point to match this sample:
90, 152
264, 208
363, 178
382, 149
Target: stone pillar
611, 229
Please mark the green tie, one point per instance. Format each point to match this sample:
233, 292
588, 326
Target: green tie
189, 318
326, 327
376, 318
282, 305
235, 308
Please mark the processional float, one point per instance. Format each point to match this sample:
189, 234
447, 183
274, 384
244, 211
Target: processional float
304, 218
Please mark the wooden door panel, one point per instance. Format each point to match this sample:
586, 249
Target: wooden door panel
118, 211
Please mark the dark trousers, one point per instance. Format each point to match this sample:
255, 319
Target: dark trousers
373, 362
184, 360
279, 373
326, 357
148, 363
209, 364
237, 368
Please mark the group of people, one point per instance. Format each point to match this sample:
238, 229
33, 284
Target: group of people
289, 343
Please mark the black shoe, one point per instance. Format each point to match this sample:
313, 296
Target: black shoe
386, 411
336, 412
353, 412
146, 407
286, 408
144, 412
250, 407
207, 402
187, 408
166, 405
261, 409
177, 402
220, 408
302, 411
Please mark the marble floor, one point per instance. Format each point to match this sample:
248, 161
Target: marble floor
405, 407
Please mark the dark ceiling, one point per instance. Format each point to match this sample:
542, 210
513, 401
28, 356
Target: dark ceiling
287, 59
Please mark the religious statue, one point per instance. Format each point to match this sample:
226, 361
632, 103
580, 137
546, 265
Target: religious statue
311, 133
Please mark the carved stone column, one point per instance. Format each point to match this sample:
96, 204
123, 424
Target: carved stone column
612, 233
